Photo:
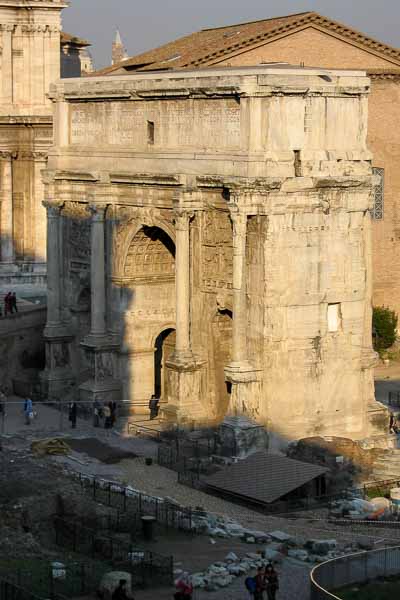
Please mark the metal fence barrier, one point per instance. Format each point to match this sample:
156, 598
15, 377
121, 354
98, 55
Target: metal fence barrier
328, 578
134, 503
69, 580
11, 591
144, 566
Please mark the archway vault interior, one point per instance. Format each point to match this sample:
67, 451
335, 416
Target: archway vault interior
151, 254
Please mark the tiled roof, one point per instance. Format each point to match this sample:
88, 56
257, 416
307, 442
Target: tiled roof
264, 477
210, 46
67, 38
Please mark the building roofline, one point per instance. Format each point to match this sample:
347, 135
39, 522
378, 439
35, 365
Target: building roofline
307, 12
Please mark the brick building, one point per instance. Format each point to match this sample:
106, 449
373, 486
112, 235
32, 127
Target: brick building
310, 39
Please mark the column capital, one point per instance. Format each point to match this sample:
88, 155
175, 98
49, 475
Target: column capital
6, 155
53, 208
97, 211
182, 218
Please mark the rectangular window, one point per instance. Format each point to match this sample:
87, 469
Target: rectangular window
150, 132
378, 208
334, 317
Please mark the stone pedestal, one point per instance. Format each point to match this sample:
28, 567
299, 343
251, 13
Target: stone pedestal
57, 379
184, 393
243, 379
240, 437
102, 360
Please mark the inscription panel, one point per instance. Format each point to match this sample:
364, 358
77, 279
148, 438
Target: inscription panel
177, 124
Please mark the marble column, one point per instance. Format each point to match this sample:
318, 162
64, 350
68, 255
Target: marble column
54, 275
97, 273
182, 286
57, 378
239, 325
100, 347
184, 370
240, 372
7, 244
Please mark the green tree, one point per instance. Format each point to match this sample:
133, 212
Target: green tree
384, 326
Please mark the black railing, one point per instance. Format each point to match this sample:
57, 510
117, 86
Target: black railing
329, 578
11, 591
144, 566
45, 580
137, 504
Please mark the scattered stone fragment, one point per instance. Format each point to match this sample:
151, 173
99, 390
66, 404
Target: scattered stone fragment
280, 536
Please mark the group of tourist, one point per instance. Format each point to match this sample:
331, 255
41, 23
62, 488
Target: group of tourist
105, 414
266, 580
10, 304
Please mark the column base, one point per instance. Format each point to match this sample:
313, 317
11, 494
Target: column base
102, 384
102, 391
57, 331
55, 384
240, 436
241, 372
184, 392
245, 390
100, 341
57, 380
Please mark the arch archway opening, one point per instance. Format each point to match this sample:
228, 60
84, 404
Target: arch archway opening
164, 347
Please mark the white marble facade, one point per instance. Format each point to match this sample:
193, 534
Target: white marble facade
209, 240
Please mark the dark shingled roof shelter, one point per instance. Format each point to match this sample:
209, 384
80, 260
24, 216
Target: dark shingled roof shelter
263, 477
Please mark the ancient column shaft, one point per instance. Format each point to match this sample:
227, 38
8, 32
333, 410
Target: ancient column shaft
182, 284
239, 325
53, 265
97, 272
7, 244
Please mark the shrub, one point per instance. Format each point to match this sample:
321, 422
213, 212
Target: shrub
384, 326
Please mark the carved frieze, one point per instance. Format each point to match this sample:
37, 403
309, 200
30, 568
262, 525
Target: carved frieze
217, 251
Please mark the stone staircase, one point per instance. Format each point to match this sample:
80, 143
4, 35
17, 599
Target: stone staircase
388, 466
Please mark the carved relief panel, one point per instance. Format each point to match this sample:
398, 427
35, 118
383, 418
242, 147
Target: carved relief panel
217, 251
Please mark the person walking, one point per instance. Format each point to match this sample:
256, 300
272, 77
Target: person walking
96, 413
13, 302
28, 411
107, 416
153, 406
113, 410
393, 428
121, 592
7, 303
72, 414
271, 581
259, 584
184, 588
250, 585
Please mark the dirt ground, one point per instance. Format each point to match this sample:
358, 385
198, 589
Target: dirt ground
29, 487
99, 450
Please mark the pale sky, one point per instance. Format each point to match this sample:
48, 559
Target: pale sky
145, 24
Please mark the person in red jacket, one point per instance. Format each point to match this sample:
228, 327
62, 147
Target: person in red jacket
184, 588
260, 584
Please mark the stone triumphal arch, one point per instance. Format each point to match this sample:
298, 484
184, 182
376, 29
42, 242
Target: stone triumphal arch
209, 241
